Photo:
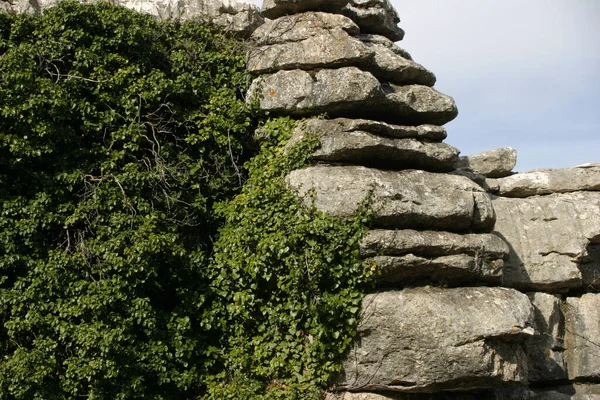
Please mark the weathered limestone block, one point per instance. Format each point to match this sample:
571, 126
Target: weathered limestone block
388, 65
430, 133
406, 257
585, 391
302, 93
547, 181
582, 340
364, 148
278, 8
350, 92
373, 16
382, 40
548, 237
545, 349
453, 270
433, 339
298, 27
315, 41
401, 199
233, 15
495, 163
477, 395
333, 49
589, 265
574, 392
431, 243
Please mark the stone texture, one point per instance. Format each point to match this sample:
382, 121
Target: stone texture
431, 243
315, 41
298, 27
585, 391
373, 16
545, 349
382, 40
495, 163
477, 395
278, 8
429, 133
401, 199
582, 340
232, 15
547, 181
350, 92
548, 237
364, 148
573, 392
432, 339
449, 271
388, 65
589, 265
408, 257
331, 50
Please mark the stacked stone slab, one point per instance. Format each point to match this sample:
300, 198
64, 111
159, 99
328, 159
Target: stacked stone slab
489, 280
481, 270
438, 321
551, 222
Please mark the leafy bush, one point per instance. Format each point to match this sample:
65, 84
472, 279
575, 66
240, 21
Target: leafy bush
141, 254
117, 136
288, 280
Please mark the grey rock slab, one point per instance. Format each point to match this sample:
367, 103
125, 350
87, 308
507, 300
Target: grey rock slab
302, 93
350, 92
431, 133
388, 65
585, 391
364, 148
548, 237
316, 43
373, 16
298, 27
451, 270
545, 349
278, 8
408, 257
331, 50
382, 40
495, 163
418, 103
434, 339
232, 15
547, 181
400, 199
582, 340
477, 395
589, 265
431, 243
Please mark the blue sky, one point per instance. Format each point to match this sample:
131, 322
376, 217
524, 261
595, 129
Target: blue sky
524, 73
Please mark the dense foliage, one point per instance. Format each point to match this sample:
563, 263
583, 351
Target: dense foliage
288, 280
141, 256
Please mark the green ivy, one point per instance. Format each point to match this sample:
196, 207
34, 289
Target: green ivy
288, 279
145, 252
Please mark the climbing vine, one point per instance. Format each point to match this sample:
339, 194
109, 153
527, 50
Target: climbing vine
145, 251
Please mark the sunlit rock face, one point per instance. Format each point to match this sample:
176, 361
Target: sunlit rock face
236, 16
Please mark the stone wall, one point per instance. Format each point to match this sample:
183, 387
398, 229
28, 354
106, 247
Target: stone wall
488, 279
